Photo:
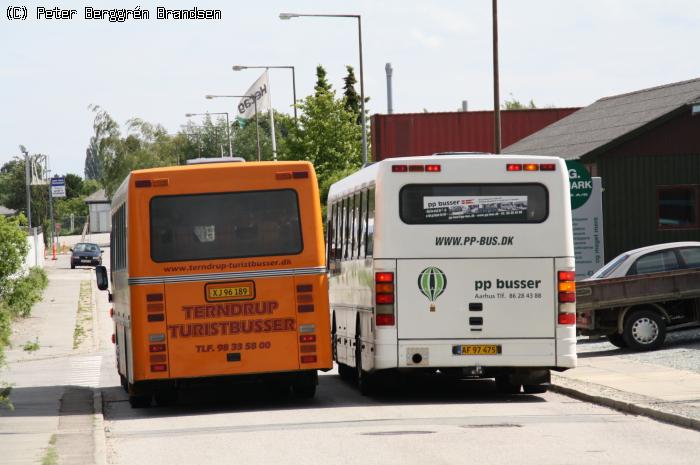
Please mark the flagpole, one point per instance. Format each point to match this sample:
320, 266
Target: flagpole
272, 120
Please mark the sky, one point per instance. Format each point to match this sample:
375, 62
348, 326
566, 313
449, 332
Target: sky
557, 53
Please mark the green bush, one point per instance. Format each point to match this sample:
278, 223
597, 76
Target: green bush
25, 292
20, 295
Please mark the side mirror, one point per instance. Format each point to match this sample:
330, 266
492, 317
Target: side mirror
101, 252
101, 276
71, 249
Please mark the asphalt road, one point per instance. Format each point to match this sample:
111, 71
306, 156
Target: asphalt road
428, 421
450, 423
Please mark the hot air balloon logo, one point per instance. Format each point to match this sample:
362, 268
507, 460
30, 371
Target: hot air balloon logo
432, 283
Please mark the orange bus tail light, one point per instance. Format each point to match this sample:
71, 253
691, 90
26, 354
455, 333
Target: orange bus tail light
308, 359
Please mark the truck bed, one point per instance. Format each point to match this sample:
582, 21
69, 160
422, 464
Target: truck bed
635, 290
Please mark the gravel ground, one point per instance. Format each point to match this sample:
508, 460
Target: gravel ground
681, 350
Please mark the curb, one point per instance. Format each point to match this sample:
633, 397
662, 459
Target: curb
98, 430
617, 400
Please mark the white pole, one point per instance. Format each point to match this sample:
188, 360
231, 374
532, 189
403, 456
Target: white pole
272, 120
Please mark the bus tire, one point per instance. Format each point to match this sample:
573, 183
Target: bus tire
304, 391
644, 330
139, 401
535, 388
364, 380
617, 340
345, 372
505, 386
165, 398
334, 340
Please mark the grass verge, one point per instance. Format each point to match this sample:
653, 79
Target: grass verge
84, 315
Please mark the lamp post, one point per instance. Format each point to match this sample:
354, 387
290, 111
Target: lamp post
294, 81
255, 104
228, 126
362, 81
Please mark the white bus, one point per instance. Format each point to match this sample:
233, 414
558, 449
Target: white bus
461, 264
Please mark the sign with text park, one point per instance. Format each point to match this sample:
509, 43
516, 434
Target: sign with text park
587, 215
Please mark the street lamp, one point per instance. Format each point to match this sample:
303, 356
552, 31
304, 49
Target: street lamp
255, 103
294, 82
362, 83
228, 126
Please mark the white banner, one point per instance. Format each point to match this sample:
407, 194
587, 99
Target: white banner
260, 89
476, 206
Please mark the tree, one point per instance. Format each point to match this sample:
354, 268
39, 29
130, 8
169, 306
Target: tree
74, 186
13, 249
515, 104
14, 194
322, 84
352, 100
328, 136
101, 144
245, 139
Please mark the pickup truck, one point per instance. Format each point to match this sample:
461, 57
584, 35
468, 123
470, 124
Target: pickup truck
636, 311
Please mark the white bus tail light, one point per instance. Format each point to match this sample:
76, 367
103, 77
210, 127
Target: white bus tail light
416, 168
566, 290
531, 167
384, 298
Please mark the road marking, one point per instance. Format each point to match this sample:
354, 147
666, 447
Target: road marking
85, 371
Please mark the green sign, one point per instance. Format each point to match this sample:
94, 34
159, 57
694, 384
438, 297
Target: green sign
581, 184
432, 282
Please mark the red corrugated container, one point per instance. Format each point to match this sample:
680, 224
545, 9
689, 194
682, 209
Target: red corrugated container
410, 134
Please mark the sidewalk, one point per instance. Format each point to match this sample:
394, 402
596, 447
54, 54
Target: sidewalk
659, 392
52, 408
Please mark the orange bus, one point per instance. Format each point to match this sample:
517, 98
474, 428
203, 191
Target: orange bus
218, 270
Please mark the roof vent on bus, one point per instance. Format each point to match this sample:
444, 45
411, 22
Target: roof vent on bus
200, 161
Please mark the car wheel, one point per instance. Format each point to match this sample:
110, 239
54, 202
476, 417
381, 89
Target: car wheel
644, 330
72, 266
617, 340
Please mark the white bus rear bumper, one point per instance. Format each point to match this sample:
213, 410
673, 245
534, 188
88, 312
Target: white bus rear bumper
513, 353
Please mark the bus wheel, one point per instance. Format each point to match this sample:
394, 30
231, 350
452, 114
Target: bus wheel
139, 401
364, 379
165, 398
345, 372
535, 388
305, 386
505, 386
644, 330
617, 340
304, 391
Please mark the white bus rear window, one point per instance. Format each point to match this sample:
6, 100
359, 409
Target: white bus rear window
226, 225
473, 203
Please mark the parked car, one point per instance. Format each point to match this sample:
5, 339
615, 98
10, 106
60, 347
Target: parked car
652, 259
641, 294
85, 254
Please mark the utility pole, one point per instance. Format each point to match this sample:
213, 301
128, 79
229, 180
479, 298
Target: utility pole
53, 226
28, 180
496, 96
